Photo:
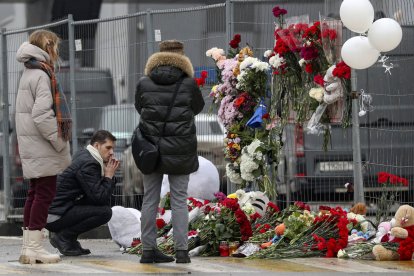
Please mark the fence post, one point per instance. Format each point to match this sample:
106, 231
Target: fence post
71, 36
356, 143
229, 32
5, 125
229, 23
150, 33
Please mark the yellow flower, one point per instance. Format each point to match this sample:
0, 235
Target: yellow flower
214, 88
232, 195
236, 146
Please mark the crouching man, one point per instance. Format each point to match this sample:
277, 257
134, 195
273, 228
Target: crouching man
83, 193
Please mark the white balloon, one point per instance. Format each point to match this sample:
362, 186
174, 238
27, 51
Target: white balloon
357, 15
358, 53
385, 34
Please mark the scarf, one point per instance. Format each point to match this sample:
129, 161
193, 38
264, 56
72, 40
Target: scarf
95, 154
60, 106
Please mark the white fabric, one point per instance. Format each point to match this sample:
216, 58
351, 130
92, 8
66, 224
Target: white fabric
202, 184
95, 154
125, 225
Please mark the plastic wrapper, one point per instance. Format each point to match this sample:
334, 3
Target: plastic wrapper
314, 126
246, 250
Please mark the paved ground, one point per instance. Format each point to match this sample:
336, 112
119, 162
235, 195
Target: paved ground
106, 258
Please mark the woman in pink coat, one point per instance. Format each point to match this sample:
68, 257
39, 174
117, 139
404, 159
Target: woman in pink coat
43, 126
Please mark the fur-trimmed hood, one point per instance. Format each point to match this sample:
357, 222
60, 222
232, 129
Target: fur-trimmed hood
169, 59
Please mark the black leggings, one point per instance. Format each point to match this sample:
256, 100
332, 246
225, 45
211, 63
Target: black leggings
80, 219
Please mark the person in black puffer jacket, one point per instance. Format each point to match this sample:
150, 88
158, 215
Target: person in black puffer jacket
177, 145
83, 194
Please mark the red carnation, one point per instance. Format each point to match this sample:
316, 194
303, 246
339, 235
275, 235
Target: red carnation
239, 101
342, 70
308, 68
383, 177
318, 79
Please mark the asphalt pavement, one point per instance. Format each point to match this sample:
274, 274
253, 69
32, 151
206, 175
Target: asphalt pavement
106, 258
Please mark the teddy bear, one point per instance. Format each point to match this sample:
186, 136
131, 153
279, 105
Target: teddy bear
403, 231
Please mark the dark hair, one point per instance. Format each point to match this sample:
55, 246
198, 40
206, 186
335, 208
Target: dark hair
101, 136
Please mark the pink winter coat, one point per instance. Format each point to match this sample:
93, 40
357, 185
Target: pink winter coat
42, 152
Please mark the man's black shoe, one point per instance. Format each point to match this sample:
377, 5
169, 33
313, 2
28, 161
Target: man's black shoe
84, 251
181, 257
66, 247
155, 256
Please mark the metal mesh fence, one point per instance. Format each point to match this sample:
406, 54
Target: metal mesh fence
110, 56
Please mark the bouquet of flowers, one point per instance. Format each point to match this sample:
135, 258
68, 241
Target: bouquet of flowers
240, 96
325, 236
391, 185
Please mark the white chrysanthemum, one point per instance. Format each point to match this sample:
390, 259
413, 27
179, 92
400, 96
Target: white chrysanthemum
251, 149
267, 53
209, 53
276, 61
260, 66
240, 193
316, 93
246, 63
302, 62
233, 175
248, 209
341, 253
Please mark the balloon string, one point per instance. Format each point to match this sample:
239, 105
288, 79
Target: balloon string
365, 104
387, 67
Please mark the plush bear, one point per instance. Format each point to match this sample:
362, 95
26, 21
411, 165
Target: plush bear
403, 231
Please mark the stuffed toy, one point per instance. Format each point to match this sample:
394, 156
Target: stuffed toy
403, 231
384, 231
333, 87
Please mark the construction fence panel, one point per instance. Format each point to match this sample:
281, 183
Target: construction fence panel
109, 57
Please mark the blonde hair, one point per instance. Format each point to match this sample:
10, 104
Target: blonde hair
47, 41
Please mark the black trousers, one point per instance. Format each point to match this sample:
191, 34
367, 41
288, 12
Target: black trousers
80, 219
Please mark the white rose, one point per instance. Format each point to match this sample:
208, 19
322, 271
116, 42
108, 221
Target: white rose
317, 93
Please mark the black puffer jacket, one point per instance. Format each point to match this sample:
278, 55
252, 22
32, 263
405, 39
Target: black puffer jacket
178, 144
81, 183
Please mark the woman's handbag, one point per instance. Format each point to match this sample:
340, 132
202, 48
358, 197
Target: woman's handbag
146, 153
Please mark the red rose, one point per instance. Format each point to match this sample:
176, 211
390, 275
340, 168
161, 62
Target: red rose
234, 44
237, 37
160, 223
278, 11
266, 116
262, 231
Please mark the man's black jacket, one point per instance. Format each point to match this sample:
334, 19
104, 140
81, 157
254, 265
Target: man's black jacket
81, 183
